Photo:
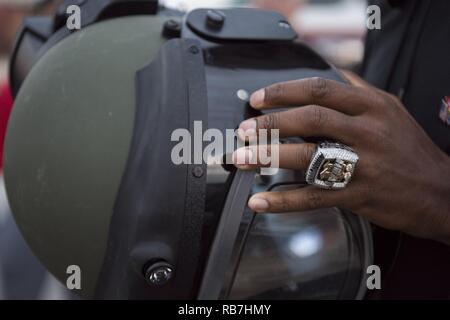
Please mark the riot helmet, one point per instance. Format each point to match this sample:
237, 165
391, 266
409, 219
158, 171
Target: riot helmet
88, 160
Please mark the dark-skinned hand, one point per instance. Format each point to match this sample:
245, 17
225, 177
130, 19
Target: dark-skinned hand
402, 179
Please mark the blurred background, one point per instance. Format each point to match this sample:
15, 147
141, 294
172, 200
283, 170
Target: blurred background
334, 28
22, 276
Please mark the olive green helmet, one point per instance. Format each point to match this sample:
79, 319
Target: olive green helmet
87, 155
69, 137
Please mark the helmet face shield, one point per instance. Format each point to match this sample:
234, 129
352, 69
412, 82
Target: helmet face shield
308, 255
90, 174
318, 254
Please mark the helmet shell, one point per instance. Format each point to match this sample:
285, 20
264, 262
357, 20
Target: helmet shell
68, 141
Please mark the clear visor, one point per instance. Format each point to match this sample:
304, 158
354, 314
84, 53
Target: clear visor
320, 254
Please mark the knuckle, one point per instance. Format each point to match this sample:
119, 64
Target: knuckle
319, 88
274, 93
390, 99
314, 199
373, 132
384, 103
269, 121
319, 118
375, 102
381, 134
303, 156
387, 101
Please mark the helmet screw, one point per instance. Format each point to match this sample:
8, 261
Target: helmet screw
215, 19
159, 273
172, 29
194, 50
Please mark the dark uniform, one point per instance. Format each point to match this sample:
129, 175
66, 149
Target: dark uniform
410, 57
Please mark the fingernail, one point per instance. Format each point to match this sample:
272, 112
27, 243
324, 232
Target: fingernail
247, 129
243, 156
258, 204
257, 98
248, 125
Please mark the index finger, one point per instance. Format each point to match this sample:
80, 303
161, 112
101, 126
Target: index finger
317, 91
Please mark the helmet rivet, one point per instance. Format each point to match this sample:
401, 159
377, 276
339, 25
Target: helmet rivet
172, 29
197, 172
159, 273
194, 50
215, 19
